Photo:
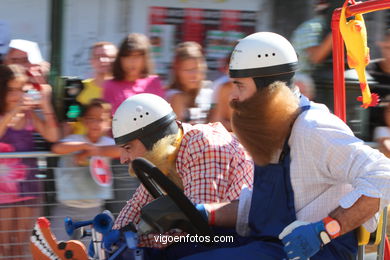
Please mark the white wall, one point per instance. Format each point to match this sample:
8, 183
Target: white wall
138, 22
88, 21
29, 20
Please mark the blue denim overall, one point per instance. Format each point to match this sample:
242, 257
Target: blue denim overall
272, 209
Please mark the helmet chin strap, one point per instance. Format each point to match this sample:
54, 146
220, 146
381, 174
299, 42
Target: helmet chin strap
262, 82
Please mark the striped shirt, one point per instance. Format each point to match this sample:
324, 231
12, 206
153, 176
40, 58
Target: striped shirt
307, 35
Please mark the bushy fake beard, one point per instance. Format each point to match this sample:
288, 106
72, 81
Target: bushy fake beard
163, 156
263, 122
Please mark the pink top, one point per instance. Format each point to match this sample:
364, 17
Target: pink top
115, 92
18, 176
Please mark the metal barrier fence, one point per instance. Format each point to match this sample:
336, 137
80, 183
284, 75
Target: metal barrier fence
28, 190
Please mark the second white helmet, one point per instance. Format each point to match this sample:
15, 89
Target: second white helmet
147, 117
262, 54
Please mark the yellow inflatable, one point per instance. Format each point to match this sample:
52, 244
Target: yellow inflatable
354, 34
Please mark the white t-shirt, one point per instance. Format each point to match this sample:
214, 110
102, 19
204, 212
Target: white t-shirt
203, 102
74, 184
216, 86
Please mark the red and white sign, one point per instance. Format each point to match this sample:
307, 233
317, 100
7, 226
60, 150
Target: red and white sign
100, 170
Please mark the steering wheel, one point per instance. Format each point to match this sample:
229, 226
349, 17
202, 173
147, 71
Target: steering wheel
157, 183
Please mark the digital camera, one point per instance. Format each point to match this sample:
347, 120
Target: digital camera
34, 95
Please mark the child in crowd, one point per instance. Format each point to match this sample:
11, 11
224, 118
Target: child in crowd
306, 85
222, 88
21, 114
382, 133
132, 72
79, 195
102, 56
189, 93
221, 111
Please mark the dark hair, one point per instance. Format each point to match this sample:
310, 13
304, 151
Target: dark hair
132, 43
97, 45
8, 73
263, 82
96, 102
185, 51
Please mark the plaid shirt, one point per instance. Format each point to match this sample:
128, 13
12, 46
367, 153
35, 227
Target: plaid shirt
212, 165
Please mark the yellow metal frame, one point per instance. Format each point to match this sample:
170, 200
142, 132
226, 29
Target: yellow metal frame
374, 238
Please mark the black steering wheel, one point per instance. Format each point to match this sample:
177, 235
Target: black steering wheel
156, 182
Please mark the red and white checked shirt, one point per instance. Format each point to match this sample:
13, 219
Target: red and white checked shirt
212, 165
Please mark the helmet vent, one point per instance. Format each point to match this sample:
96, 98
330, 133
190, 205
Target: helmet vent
135, 119
141, 116
147, 113
266, 55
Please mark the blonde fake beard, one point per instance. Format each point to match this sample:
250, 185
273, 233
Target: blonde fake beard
263, 122
163, 156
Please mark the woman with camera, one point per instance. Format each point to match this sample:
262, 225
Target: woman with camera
24, 109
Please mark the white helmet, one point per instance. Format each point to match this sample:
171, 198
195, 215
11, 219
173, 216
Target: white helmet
262, 54
144, 116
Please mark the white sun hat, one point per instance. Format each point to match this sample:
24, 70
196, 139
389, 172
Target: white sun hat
31, 48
